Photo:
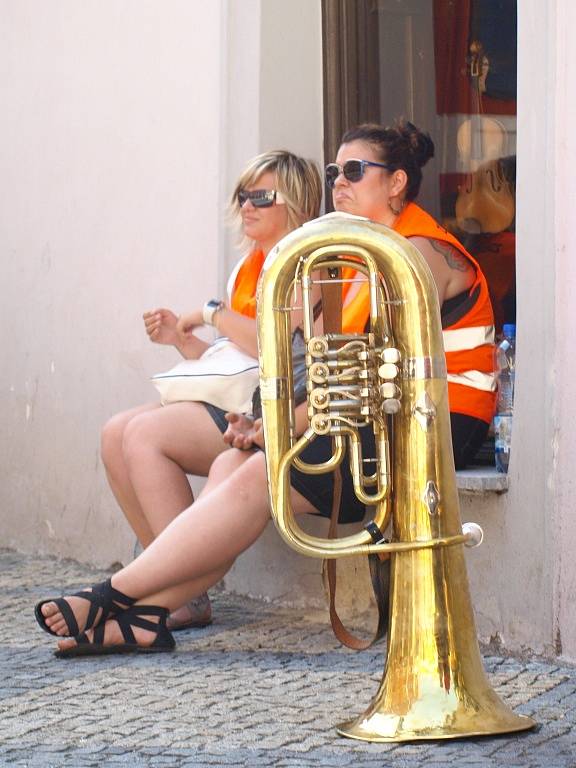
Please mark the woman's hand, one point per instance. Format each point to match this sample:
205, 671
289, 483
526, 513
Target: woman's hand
243, 432
160, 326
188, 323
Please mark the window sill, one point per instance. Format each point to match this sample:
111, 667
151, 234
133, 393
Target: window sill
481, 480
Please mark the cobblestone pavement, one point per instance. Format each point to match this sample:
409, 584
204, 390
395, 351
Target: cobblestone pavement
263, 686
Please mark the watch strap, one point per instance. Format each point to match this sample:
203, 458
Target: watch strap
209, 310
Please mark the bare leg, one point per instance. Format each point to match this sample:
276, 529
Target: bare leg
147, 452
112, 440
206, 538
160, 448
197, 612
200, 545
221, 471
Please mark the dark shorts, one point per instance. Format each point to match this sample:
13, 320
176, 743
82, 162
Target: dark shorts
217, 416
468, 434
318, 489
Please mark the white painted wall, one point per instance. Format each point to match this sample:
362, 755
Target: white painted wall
527, 553
274, 98
564, 442
110, 203
124, 128
283, 85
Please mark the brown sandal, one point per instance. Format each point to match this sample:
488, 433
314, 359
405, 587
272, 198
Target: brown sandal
194, 614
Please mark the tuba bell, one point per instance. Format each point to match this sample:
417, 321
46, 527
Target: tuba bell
392, 379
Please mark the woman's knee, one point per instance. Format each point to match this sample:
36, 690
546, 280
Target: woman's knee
140, 435
234, 460
113, 432
248, 479
111, 439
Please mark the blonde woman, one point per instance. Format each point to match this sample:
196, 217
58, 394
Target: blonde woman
149, 450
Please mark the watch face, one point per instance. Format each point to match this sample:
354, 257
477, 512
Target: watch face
210, 308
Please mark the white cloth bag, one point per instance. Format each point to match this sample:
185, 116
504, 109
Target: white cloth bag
223, 375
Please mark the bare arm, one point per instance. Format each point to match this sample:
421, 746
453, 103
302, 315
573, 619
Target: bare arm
238, 328
452, 271
161, 327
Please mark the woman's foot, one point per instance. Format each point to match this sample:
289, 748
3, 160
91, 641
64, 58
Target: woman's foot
140, 629
195, 614
70, 615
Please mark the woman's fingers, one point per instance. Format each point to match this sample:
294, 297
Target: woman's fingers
240, 431
153, 324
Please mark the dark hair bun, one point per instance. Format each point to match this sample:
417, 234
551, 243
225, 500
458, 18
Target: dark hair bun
420, 143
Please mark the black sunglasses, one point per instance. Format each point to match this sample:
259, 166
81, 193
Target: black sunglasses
260, 198
353, 170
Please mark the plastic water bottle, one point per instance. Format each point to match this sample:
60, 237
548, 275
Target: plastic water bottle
506, 366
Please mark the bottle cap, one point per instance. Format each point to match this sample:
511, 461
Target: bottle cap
509, 330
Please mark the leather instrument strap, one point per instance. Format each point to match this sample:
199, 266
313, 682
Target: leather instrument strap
379, 569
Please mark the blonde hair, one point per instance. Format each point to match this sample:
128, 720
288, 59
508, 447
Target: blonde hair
297, 180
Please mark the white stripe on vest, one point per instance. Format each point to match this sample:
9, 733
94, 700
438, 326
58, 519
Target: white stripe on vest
476, 379
460, 339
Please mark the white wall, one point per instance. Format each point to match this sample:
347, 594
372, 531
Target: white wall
529, 535
110, 203
274, 84
283, 87
564, 442
125, 125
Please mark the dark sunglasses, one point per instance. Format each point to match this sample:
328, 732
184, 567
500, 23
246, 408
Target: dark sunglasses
353, 170
260, 198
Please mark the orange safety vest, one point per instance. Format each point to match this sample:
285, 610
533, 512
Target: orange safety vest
468, 330
243, 298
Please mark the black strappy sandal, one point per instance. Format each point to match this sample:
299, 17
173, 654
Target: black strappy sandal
133, 617
102, 597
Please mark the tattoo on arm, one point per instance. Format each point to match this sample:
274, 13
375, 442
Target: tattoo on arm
453, 258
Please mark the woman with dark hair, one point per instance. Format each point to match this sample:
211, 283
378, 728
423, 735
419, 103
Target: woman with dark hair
377, 175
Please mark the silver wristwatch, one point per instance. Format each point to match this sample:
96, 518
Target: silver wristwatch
209, 310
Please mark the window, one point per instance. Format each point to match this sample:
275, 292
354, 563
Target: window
449, 66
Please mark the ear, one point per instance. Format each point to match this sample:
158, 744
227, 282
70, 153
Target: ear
399, 182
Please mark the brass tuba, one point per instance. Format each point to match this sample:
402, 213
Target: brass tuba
393, 380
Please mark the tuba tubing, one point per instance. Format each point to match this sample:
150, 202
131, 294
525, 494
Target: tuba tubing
434, 686
417, 322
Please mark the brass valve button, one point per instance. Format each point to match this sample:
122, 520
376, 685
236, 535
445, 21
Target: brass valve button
319, 373
391, 406
320, 424
388, 371
390, 355
318, 347
319, 398
389, 389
